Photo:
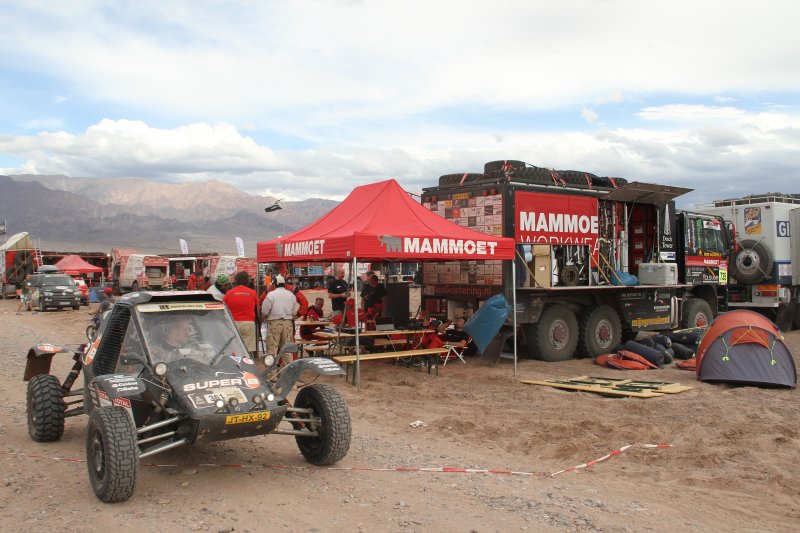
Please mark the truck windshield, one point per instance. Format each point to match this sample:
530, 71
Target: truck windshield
202, 331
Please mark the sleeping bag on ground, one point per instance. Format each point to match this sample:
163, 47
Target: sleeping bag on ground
681, 351
651, 354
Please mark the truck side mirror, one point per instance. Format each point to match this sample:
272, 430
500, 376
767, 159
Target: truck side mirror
730, 236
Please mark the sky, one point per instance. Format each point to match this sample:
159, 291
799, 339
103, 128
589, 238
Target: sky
310, 98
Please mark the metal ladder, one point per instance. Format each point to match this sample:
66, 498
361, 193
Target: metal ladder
37, 253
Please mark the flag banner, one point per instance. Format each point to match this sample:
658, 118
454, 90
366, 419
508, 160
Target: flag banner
3, 227
184, 247
240, 246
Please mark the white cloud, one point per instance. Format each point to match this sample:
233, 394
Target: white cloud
589, 115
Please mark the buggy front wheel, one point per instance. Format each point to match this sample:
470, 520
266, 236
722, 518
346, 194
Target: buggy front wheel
112, 455
330, 419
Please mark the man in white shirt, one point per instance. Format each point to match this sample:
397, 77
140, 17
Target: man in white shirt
220, 287
279, 308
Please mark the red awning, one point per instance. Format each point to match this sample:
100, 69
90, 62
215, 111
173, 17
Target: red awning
381, 222
73, 265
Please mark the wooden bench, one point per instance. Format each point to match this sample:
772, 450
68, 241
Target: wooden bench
429, 353
382, 343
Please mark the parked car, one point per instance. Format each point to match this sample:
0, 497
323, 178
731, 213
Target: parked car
54, 290
84, 290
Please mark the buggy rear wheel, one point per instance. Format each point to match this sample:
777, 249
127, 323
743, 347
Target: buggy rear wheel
330, 419
112, 455
91, 332
45, 408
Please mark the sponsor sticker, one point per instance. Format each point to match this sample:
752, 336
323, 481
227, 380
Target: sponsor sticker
247, 361
48, 348
180, 306
247, 418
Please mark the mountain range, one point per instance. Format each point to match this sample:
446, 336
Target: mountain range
88, 214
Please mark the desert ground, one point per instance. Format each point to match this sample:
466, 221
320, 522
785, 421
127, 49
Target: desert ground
732, 465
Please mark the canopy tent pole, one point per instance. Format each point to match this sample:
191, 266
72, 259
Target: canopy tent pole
514, 310
354, 275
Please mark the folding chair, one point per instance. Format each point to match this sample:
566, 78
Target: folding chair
456, 350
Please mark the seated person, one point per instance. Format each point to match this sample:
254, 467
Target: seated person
375, 298
350, 315
313, 314
431, 339
456, 336
174, 336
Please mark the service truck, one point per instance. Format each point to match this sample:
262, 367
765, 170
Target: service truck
132, 271
765, 264
578, 236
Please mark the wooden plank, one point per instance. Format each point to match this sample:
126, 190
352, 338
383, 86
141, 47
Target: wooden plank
614, 386
595, 389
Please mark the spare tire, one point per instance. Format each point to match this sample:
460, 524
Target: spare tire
455, 179
491, 166
753, 262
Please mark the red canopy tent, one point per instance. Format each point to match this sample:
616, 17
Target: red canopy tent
73, 265
381, 222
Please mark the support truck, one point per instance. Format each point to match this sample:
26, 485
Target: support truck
578, 237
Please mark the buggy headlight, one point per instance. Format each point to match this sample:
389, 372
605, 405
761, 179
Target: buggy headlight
220, 403
233, 402
270, 397
269, 360
160, 369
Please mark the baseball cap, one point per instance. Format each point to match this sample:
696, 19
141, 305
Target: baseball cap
279, 280
223, 279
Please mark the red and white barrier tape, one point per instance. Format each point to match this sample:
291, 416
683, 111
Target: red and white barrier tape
435, 469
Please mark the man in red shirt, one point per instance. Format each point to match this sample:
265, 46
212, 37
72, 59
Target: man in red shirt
242, 302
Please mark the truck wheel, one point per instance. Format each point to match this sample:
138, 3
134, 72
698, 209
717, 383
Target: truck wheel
332, 424
696, 313
45, 408
555, 336
455, 179
76, 307
753, 262
112, 455
600, 331
493, 166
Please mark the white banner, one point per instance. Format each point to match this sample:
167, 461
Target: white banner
239, 246
184, 247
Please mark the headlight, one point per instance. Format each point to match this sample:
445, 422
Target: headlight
269, 360
270, 397
161, 369
233, 402
220, 403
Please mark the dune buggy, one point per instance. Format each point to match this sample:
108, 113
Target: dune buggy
169, 369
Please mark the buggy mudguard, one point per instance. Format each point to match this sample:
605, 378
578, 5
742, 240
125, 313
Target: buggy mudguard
292, 371
41, 356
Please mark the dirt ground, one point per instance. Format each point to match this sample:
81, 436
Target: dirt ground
733, 465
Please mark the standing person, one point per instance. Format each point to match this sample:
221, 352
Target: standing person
366, 288
377, 301
313, 314
279, 309
193, 281
25, 296
302, 301
220, 287
242, 302
338, 291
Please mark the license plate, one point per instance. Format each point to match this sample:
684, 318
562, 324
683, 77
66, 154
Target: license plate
63, 303
247, 417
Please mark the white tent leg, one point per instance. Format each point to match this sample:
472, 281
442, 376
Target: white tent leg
514, 310
344, 319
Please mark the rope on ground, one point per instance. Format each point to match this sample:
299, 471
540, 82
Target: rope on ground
435, 469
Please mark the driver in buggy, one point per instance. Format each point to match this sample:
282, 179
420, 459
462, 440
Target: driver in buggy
172, 339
